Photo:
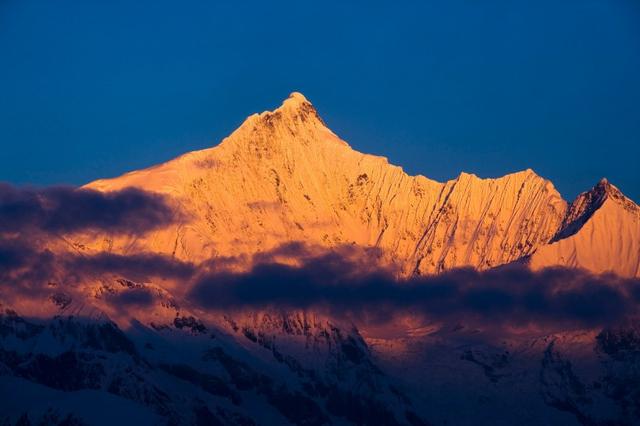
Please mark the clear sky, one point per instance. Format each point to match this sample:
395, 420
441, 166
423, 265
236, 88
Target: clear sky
92, 89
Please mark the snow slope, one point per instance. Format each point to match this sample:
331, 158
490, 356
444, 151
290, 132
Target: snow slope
601, 233
284, 176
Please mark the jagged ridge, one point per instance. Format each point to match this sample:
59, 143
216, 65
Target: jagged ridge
284, 176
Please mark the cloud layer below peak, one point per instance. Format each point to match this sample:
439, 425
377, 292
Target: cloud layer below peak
66, 209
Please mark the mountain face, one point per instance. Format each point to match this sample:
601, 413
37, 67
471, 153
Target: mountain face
107, 349
600, 233
284, 176
75, 358
78, 367
266, 369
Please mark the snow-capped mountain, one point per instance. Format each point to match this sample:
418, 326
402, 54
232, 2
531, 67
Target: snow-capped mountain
163, 365
298, 368
83, 342
600, 233
284, 176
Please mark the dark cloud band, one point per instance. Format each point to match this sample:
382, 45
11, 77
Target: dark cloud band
67, 209
341, 286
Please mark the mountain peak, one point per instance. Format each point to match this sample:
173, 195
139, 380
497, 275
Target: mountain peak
271, 133
296, 97
605, 189
283, 176
296, 106
599, 233
588, 202
295, 103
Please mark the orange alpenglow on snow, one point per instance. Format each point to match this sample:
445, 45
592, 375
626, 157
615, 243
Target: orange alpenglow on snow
284, 176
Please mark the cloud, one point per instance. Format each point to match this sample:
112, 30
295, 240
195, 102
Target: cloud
27, 271
140, 267
135, 297
24, 269
29, 218
345, 281
67, 209
345, 285
13, 255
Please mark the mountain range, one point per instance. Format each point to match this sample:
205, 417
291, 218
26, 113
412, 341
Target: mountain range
284, 176
288, 279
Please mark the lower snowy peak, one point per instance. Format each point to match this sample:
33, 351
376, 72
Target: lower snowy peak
269, 368
586, 204
600, 233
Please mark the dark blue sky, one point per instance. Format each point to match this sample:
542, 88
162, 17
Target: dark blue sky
90, 89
